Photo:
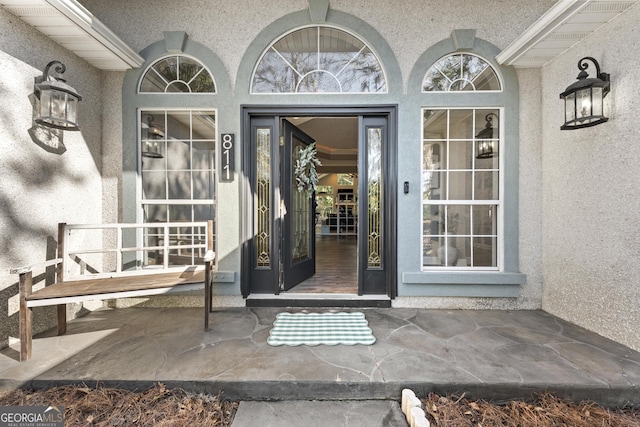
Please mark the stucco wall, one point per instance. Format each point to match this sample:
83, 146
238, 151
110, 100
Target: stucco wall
591, 184
578, 189
46, 177
229, 32
530, 187
112, 146
228, 29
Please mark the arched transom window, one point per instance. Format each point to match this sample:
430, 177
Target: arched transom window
319, 59
177, 74
461, 72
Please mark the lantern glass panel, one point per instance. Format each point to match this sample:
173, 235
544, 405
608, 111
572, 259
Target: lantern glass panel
72, 109
583, 103
45, 103
570, 108
597, 101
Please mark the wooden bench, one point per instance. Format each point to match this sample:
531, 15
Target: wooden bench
141, 276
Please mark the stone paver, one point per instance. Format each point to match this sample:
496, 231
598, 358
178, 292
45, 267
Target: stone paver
370, 413
487, 354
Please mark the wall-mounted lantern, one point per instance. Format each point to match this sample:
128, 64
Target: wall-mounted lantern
151, 145
583, 100
58, 101
486, 141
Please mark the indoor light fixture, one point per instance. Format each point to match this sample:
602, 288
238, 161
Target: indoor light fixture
58, 100
486, 141
583, 100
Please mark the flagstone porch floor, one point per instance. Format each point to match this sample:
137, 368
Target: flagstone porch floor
495, 355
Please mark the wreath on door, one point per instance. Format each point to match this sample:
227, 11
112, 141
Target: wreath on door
305, 169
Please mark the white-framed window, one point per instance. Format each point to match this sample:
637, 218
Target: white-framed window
318, 59
177, 167
461, 72
462, 189
177, 74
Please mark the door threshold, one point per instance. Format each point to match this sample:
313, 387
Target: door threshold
318, 300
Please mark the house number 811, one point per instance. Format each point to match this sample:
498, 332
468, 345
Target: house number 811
227, 157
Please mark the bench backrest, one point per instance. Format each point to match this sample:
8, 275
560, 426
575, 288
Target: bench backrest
108, 250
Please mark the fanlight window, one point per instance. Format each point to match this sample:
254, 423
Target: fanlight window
319, 59
461, 72
177, 74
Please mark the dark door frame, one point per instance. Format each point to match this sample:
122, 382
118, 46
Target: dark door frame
391, 174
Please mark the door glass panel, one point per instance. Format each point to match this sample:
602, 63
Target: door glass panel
375, 197
299, 217
263, 197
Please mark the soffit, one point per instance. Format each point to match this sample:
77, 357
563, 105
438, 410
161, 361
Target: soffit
71, 25
560, 28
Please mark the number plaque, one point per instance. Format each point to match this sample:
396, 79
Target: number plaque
227, 157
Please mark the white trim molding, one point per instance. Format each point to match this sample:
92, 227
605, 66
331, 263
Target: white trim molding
561, 27
71, 25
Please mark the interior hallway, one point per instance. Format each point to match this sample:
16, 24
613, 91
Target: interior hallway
336, 266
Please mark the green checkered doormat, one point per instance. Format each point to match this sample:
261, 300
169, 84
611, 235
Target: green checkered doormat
320, 328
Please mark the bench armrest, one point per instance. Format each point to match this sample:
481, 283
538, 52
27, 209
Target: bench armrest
22, 270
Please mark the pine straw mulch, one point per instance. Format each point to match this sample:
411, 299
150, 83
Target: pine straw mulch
546, 410
160, 406
102, 406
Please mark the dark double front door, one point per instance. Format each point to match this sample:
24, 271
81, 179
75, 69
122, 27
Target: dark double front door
279, 247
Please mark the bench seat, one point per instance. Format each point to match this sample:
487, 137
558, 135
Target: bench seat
104, 287
120, 284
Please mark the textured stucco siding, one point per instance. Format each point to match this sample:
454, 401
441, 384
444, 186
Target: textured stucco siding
229, 28
229, 32
591, 182
530, 187
578, 228
45, 179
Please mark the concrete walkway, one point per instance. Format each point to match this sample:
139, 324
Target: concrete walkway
296, 413
495, 355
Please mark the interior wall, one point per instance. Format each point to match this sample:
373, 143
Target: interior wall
47, 176
591, 237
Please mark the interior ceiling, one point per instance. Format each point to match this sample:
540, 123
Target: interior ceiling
336, 141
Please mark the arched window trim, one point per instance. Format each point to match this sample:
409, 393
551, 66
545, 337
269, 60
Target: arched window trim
441, 59
182, 55
293, 30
